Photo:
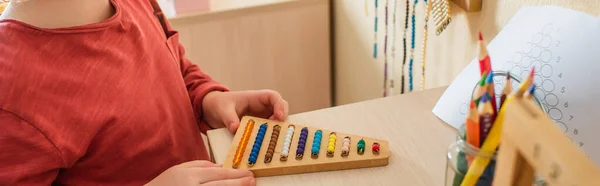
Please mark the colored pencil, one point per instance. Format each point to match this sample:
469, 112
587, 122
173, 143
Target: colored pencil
530, 92
485, 64
486, 117
480, 89
525, 85
507, 90
472, 126
492, 92
489, 145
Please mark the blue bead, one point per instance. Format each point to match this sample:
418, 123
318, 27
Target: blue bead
254, 154
256, 146
315, 149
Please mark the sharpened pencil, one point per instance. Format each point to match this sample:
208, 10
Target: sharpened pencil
486, 117
484, 59
506, 91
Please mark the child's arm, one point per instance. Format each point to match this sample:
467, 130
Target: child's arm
27, 156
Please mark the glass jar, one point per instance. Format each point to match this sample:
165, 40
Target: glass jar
459, 157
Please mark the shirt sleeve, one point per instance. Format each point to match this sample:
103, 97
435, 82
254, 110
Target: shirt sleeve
27, 156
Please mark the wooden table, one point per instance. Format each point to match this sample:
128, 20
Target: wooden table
418, 141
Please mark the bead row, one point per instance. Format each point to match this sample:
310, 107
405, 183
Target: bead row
257, 144
272, 143
316, 146
331, 144
346, 146
301, 143
286, 143
237, 158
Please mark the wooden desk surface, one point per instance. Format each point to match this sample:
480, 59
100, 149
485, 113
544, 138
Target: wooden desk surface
418, 141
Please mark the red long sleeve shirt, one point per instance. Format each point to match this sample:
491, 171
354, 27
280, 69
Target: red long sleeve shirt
112, 103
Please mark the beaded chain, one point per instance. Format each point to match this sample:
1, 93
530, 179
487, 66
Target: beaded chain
316, 146
287, 141
375, 33
237, 158
346, 146
404, 47
331, 144
393, 57
385, 64
301, 143
260, 136
272, 143
424, 51
412, 49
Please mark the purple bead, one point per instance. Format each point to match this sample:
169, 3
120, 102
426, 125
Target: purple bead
300, 151
301, 146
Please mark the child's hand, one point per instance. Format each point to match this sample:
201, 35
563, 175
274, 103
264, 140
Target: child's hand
202, 173
224, 109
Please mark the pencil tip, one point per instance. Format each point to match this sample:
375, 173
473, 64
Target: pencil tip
532, 72
472, 104
532, 89
507, 75
490, 78
480, 36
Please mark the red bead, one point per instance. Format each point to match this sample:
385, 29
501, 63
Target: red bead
375, 147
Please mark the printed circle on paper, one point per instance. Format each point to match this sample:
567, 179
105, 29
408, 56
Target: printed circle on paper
527, 47
516, 70
537, 64
517, 58
548, 85
464, 108
546, 42
536, 51
551, 100
546, 71
562, 126
526, 62
538, 80
546, 56
555, 114
537, 38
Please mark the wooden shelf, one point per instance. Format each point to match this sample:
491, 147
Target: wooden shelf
469, 5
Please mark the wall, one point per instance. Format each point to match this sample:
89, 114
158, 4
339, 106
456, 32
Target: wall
282, 46
360, 77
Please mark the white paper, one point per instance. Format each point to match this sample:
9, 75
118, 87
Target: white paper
564, 47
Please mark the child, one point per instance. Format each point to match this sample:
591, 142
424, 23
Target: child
99, 92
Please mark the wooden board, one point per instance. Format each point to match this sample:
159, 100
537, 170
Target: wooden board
533, 145
306, 164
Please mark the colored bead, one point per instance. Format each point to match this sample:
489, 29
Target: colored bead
375, 148
272, 143
286, 144
301, 143
237, 158
346, 147
331, 144
360, 147
316, 146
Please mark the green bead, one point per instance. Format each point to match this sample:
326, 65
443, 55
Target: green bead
361, 146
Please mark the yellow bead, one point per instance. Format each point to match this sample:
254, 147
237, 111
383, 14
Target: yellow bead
330, 149
331, 140
331, 144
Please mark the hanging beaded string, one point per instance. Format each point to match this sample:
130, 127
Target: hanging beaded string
375, 148
393, 57
286, 143
237, 158
404, 47
412, 49
360, 147
316, 146
331, 144
385, 57
272, 143
260, 135
375, 33
301, 143
346, 146
424, 52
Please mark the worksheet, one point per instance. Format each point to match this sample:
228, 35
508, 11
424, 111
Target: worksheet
563, 46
